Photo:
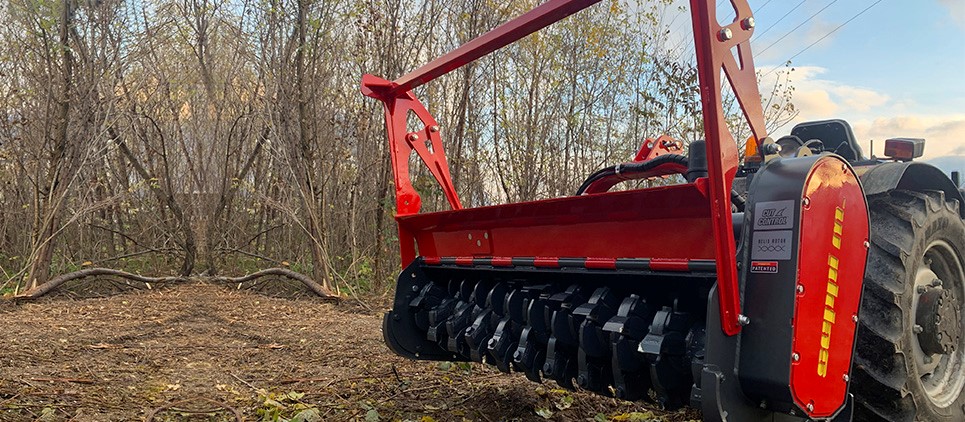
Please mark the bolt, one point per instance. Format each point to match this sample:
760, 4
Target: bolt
743, 319
810, 407
748, 23
412, 137
725, 34
867, 244
936, 283
917, 329
921, 289
433, 128
806, 201
846, 377
770, 149
415, 289
763, 404
800, 289
470, 236
854, 318
795, 357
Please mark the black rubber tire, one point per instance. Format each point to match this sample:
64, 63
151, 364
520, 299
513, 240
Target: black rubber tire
886, 380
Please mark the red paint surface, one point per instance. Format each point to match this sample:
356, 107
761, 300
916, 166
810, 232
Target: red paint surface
831, 184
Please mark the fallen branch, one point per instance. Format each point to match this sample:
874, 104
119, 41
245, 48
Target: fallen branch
92, 272
282, 272
73, 380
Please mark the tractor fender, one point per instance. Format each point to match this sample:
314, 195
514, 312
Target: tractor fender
913, 176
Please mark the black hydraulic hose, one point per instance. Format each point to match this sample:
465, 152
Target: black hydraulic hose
630, 168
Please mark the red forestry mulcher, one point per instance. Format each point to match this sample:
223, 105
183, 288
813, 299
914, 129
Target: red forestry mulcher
809, 282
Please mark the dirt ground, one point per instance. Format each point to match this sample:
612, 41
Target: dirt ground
208, 352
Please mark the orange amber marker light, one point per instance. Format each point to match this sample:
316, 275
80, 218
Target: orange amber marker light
750, 150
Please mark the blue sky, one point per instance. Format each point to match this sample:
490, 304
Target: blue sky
897, 70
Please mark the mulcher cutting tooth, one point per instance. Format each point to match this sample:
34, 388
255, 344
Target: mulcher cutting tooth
595, 370
456, 328
437, 321
503, 344
665, 348
481, 331
530, 356
478, 335
429, 297
505, 340
631, 374
562, 347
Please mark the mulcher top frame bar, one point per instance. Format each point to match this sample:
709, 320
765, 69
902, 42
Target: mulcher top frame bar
719, 49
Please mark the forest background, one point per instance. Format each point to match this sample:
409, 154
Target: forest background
208, 137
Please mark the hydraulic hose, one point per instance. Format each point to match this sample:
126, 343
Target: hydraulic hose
630, 168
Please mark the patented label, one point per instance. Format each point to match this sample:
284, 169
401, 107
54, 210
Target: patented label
774, 215
772, 245
764, 267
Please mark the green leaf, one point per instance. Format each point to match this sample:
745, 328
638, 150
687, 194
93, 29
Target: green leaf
372, 416
564, 402
307, 415
544, 413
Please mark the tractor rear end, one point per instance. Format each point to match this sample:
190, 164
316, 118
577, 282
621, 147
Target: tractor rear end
738, 292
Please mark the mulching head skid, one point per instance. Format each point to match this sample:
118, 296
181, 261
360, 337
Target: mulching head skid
602, 335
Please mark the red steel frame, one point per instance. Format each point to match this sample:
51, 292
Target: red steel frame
716, 47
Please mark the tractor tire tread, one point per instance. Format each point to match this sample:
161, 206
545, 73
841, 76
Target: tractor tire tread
880, 374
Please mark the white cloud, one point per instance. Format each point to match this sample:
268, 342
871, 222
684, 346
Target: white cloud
944, 134
873, 115
956, 9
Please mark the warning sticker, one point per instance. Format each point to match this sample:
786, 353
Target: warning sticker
772, 245
774, 215
764, 267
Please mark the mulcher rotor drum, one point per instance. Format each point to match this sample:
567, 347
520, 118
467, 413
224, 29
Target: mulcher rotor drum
629, 335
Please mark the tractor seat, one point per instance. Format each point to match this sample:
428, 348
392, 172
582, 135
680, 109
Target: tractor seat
835, 134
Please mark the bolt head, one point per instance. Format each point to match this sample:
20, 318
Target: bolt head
433, 128
806, 201
800, 288
917, 329
867, 244
795, 357
412, 137
743, 319
810, 407
725, 34
748, 23
854, 318
936, 283
846, 377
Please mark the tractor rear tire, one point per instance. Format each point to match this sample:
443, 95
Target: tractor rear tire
907, 366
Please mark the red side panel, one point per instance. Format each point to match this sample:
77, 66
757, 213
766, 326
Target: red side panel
834, 231
666, 222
